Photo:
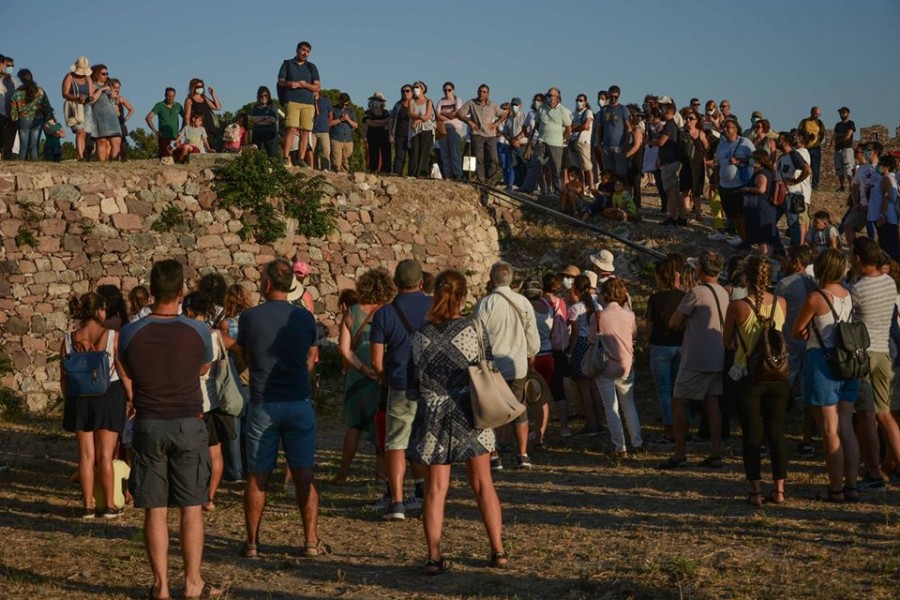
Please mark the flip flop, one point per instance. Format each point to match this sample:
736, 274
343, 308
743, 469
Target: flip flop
437, 567
150, 595
208, 593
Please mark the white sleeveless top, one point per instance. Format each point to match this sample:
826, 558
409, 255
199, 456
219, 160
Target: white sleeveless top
110, 352
208, 381
825, 323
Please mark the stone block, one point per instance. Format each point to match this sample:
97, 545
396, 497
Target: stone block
53, 226
48, 244
90, 212
108, 206
139, 207
127, 222
16, 326
63, 192
210, 241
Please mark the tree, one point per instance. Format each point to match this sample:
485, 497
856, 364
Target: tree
145, 144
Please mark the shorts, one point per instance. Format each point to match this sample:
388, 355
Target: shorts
580, 156
856, 220
300, 116
820, 387
291, 423
517, 387
613, 159
170, 464
671, 181
697, 385
875, 390
94, 413
163, 146
220, 427
398, 420
844, 162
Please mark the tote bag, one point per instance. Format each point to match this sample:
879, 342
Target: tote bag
493, 403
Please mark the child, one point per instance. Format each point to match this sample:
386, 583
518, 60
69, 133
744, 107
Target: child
622, 207
138, 298
602, 196
572, 193
823, 234
236, 135
52, 147
192, 139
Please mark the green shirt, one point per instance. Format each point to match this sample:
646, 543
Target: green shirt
552, 123
52, 141
168, 118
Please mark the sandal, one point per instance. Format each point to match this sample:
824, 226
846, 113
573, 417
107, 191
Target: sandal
773, 495
209, 506
754, 499
209, 591
833, 497
851, 494
150, 595
712, 462
437, 567
250, 550
499, 560
317, 548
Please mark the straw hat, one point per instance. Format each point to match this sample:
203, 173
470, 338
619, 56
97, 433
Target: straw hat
82, 66
603, 260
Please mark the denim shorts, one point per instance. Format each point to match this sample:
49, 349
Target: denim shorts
821, 388
170, 463
293, 424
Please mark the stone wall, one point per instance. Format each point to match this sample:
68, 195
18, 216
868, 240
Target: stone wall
92, 226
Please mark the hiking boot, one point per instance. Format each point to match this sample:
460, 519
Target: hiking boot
395, 512
496, 463
382, 503
413, 503
523, 462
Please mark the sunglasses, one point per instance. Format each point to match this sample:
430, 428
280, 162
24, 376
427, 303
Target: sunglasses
482, 91
104, 73
407, 91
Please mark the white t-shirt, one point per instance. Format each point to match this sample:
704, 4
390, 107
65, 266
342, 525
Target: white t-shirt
786, 169
866, 177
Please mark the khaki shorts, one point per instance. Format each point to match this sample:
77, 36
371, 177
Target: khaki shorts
517, 387
803, 218
875, 390
697, 385
398, 420
580, 156
670, 176
300, 116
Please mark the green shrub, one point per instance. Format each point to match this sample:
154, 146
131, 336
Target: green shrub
171, 217
267, 193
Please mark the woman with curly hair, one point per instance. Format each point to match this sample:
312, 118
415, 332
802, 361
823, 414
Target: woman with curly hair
761, 405
361, 389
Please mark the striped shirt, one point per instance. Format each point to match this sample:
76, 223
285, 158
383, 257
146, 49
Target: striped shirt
873, 304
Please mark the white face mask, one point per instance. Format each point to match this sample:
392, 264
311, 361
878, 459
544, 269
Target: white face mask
199, 91
710, 111
417, 92
580, 103
537, 105
568, 282
515, 109
603, 102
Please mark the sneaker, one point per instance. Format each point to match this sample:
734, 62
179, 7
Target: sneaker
110, 513
395, 512
523, 462
805, 450
664, 442
413, 503
88, 515
496, 463
869, 483
382, 503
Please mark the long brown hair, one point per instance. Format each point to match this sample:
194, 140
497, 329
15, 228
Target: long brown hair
758, 274
582, 285
450, 290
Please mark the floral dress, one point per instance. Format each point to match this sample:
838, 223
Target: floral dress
442, 432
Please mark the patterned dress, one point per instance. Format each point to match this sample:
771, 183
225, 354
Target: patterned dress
442, 432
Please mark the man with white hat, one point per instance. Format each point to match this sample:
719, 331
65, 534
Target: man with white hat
603, 265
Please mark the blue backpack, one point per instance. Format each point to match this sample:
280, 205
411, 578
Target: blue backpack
87, 373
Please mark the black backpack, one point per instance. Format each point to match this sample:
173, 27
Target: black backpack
849, 358
768, 360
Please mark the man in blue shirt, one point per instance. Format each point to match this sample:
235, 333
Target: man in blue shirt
299, 80
391, 334
279, 341
615, 124
319, 156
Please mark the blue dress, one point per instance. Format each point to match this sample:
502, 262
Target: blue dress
761, 215
106, 117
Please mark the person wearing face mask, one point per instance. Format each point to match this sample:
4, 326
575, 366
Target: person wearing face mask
613, 129
483, 117
596, 155
8, 126
200, 103
554, 125
378, 142
865, 178
580, 140
712, 118
421, 130
449, 144
529, 130
342, 121
513, 131
400, 129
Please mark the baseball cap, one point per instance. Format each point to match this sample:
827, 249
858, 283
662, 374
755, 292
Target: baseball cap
516, 101
843, 109
408, 273
756, 115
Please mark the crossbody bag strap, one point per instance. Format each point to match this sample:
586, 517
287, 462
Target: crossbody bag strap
515, 309
403, 319
837, 318
354, 343
716, 300
813, 320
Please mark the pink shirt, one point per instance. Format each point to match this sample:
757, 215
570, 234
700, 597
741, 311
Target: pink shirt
618, 329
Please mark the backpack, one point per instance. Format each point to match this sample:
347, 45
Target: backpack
768, 360
87, 373
232, 133
281, 91
848, 359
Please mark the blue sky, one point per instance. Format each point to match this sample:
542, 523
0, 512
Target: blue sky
778, 57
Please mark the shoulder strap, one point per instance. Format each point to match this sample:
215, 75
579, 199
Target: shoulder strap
67, 339
403, 319
354, 343
716, 300
837, 318
515, 309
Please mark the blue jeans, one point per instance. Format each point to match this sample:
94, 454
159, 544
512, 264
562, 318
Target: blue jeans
505, 163
664, 361
451, 157
29, 138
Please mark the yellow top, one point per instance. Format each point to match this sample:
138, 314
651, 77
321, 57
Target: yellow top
750, 328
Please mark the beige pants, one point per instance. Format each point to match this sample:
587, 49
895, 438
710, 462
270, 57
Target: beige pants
320, 146
340, 155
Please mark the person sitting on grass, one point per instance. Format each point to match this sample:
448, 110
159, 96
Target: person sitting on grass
823, 234
192, 139
572, 194
622, 207
602, 196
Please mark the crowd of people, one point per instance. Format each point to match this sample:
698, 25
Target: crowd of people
407, 341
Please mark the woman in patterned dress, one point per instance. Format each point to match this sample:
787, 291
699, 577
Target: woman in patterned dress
442, 432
